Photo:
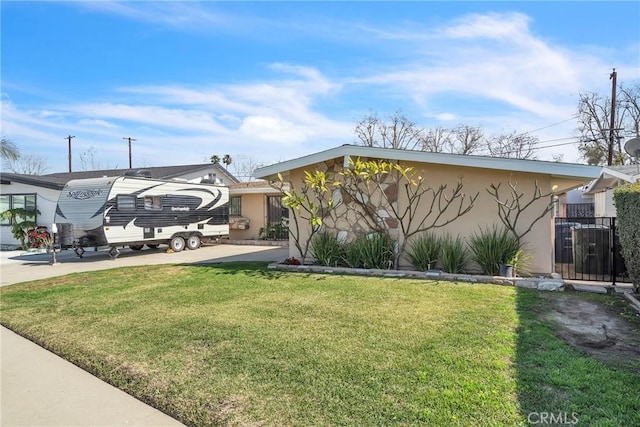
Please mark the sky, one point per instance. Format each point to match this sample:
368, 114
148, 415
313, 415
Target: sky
271, 81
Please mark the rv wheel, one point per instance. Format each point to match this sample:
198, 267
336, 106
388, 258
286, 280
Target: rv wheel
193, 242
135, 247
177, 244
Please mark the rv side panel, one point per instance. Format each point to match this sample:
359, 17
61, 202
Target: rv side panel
142, 210
81, 206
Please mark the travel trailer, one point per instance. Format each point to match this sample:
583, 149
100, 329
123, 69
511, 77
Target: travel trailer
136, 211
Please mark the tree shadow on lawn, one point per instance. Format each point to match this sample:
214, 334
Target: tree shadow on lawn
248, 268
577, 359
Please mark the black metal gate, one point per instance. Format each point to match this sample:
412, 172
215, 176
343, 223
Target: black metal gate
589, 249
277, 219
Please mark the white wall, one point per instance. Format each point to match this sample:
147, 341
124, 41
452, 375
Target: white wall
46, 201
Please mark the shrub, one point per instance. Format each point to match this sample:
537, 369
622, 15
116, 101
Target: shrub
371, 251
424, 251
454, 256
326, 249
627, 201
491, 247
38, 237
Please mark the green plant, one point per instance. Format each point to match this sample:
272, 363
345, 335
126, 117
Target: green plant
326, 249
38, 237
491, 247
454, 255
627, 201
370, 251
273, 232
22, 220
307, 207
424, 251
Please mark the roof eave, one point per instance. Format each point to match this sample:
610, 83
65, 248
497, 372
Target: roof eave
558, 170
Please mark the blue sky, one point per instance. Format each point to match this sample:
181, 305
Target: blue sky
270, 81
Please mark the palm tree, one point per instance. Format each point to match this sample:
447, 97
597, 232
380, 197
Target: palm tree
215, 159
8, 150
226, 160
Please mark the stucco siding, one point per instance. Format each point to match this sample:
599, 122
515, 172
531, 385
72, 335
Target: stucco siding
254, 207
46, 200
483, 214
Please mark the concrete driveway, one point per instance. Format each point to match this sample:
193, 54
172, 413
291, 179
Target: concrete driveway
17, 266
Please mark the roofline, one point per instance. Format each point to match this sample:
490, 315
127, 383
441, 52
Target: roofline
607, 173
555, 169
267, 189
27, 179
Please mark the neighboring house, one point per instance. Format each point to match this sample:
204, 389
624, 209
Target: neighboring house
256, 211
41, 191
476, 173
602, 187
575, 203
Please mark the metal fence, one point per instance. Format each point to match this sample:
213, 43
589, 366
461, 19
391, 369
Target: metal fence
580, 210
589, 249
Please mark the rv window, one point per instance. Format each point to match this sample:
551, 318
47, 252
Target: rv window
153, 203
235, 206
125, 202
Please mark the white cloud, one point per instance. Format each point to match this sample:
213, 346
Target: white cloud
99, 123
272, 129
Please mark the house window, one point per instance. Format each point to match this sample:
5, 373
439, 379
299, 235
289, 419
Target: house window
125, 202
17, 201
235, 206
153, 203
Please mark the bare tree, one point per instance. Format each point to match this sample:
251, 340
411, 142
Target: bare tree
28, 164
243, 167
512, 146
397, 132
512, 206
401, 133
373, 188
594, 117
8, 150
468, 139
308, 206
462, 139
436, 140
88, 160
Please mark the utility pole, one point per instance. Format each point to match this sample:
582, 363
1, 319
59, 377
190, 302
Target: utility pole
69, 138
612, 126
130, 139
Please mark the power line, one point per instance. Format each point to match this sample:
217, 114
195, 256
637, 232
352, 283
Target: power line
552, 125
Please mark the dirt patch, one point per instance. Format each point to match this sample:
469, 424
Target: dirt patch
593, 327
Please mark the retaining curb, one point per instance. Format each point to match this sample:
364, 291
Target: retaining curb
539, 283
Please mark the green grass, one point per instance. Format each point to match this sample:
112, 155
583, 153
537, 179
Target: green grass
237, 344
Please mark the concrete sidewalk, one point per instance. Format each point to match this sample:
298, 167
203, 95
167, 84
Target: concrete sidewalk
39, 388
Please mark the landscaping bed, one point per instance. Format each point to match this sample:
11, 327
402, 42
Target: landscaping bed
240, 344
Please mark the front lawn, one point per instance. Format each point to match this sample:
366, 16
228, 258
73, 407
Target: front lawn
237, 344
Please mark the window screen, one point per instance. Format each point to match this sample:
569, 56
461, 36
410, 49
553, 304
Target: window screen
126, 203
235, 206
153, 203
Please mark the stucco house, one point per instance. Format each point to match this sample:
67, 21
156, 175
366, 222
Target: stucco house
41, 191
602, 187
476, 173
256, 212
